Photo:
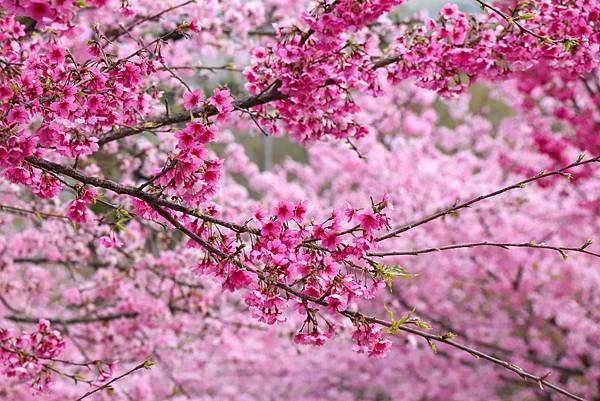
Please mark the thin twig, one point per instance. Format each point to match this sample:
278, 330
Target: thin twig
511, 20
143, 365
458, 206
140, 21
560, 249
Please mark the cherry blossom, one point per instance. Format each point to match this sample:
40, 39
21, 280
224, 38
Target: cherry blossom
433, 196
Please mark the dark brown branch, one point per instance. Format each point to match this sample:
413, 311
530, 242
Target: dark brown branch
131, 191
459, 206
560, 249
142, 20
538, 380
157, 204
511, 20
244, 103
143, 365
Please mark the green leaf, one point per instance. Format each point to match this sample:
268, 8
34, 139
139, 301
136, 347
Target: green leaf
432, 345
564, 255
526, 16
423, 324
408, 318
78, 376
120, 224
389, 312
176, 391
449, 335
388, 273
394, 325
570, 44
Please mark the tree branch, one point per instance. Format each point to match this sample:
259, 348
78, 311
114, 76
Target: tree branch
157, 204
75, 320
560, 249
157, 122
459, 206
144, 365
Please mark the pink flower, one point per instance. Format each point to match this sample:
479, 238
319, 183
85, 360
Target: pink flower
430, 23
56, 54
300, 210
39, 10
77, 211
330, 269
337, 302
331, 240
212, 173
186, 138
267, 309
46, 186
239, 278
349, 212
271, 228
191, 99
259, 53
106, 372
368, 339
221, 100
368, 221
259, 214
316, 337
195, 25
458, 36
450, 11
17, 115
5, 92
64, 107
202, 133
128, 12
43, 325
88, 194
17, 175
284, 210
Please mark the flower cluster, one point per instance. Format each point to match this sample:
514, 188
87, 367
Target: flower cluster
24, 356
455, 51
307, 265
369, 339
77, 209
47, 12
52, 101
318, 68
185, 249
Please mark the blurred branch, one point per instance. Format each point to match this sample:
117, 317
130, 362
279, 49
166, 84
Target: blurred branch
75, 320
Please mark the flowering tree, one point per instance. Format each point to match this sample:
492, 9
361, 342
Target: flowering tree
440, 192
